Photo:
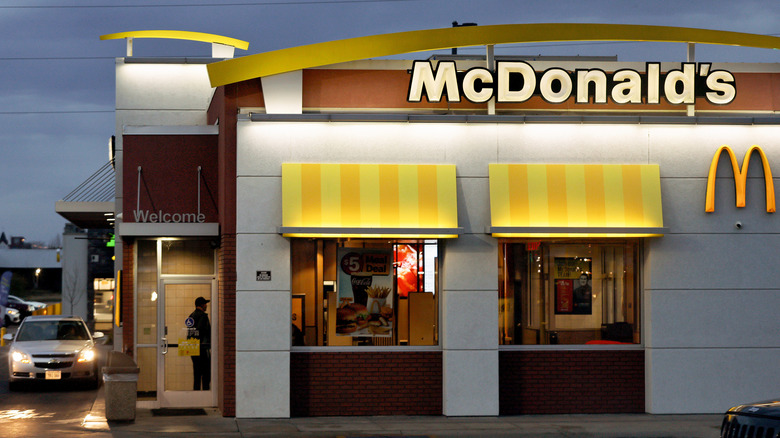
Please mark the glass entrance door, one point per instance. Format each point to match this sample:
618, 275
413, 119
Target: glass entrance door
184, 351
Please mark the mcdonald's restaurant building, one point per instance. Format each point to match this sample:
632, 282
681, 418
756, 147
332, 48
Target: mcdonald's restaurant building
449, 235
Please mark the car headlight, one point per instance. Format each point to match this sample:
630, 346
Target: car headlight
19, 356
87, 355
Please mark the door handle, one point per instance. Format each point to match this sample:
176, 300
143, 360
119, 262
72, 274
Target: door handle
164, 346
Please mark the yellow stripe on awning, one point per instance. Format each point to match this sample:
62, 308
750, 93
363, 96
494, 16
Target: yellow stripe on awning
369, 200
575, 200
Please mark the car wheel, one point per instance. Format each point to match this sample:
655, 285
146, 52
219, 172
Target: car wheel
14, 386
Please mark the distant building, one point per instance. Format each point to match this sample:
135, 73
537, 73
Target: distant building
39, 268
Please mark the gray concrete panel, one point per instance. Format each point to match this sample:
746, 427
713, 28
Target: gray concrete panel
714, 318
684, 201
709, 380
687, 150
713, 261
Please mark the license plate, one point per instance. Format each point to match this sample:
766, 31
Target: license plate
53, 375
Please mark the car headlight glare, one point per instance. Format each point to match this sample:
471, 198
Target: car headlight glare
18, 356
87, 355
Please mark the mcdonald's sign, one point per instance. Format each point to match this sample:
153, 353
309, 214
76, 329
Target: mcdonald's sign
740, 178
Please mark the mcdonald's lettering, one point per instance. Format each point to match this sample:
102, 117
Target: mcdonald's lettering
740, 178
517, 82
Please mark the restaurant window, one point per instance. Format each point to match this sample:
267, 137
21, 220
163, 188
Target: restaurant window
368, 292
568, 292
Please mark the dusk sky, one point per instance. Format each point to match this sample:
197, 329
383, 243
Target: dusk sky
57, 77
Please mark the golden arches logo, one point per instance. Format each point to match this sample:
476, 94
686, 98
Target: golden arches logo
740, 178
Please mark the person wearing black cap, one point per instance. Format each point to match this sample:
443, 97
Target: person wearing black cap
201, 329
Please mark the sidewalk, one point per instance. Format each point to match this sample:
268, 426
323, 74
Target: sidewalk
592, 426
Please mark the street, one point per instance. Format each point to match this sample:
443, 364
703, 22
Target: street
42, 410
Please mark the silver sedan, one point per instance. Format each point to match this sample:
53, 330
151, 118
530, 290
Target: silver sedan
52, 348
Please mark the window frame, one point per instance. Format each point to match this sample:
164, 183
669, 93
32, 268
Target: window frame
546, 243
327, 282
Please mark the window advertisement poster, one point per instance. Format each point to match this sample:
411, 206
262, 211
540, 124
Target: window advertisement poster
573, 288
365, 291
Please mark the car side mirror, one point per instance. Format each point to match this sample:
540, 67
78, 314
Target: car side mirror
8, 337
98, 335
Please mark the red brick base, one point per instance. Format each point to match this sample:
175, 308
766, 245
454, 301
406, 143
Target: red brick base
370, 383
571, 382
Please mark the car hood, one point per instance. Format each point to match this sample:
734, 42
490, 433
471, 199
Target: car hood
38, 347
769, 408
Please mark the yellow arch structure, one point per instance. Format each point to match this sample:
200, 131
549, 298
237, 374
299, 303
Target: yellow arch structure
179, 35
332, 52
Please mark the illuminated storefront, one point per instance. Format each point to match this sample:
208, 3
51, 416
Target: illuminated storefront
386, 237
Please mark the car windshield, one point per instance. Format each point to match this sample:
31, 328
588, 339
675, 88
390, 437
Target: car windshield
52, 330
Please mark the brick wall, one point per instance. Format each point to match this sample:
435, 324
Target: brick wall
569, 382
227, 328
127, 297
370, 383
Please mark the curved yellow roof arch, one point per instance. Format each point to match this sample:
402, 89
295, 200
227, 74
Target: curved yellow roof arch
332, 52
179, 35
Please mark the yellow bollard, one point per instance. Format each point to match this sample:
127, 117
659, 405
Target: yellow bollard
2, 334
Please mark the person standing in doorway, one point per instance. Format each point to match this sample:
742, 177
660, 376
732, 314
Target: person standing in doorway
201, 330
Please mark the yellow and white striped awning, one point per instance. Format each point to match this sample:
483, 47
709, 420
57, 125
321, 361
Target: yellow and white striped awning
575, 200
369, 200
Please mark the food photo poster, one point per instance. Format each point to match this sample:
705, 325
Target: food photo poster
365, 292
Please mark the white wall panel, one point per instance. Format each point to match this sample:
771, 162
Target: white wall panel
265, 321
162, 86
470, 263
160, 118
573, 143
283, 93
473, 204
470, 383
262, 384
263, 146
709, 380
258, 208
262, 252
469, 320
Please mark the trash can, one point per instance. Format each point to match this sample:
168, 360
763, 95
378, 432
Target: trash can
120, 380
